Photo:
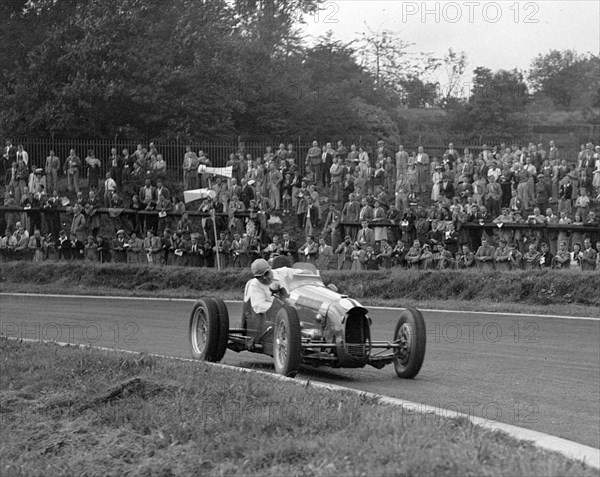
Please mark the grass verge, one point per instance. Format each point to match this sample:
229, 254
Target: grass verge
72, 411
561, 292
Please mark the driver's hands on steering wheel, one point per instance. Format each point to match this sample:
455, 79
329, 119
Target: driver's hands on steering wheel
275, 287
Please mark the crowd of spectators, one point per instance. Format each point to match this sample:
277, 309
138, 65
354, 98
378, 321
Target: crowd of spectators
355, 209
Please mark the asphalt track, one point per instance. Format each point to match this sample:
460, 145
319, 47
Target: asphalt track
535, 372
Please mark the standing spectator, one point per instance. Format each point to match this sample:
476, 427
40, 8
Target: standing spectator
337, 173
52, 168
273, 181
423, 174
79, 224
344, 253
116, 167
190, 169
493, 196
8, 158
72, 169
21, 178
401, 165
22, 155
531, 259
325, 255
588, 256
366, 235
314, 159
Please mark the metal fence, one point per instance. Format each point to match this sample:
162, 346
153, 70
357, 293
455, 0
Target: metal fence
218, 152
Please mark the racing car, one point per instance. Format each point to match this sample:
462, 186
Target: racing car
308, 324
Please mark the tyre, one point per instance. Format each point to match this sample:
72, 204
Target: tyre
287, 345
223, 328
205, 331
410, 334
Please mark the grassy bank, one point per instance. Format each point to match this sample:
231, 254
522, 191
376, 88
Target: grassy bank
540, 291
71, 411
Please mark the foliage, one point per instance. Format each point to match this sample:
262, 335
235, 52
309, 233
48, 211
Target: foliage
569, 79
495, 99
525, 287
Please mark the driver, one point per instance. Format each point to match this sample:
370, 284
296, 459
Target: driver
266, 280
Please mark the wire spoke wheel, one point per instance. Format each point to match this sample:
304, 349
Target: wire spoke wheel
410, 334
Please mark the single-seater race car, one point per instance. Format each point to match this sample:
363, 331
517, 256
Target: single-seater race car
311, 324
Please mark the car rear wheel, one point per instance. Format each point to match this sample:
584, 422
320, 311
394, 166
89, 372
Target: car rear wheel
287, 346
410, 335
207, 322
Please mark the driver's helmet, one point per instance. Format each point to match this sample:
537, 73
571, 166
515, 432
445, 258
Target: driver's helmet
259, 267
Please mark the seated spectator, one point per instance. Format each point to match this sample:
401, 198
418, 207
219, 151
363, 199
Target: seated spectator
399, 254
484, 257
310, 250
501, 256
152, 246
90, 251
77, 248
119, 247
370, 259
546, 257
575, 257
289, 248
359, 257
465, 258
531, 259
63, 246
38, 246
133, 248
514, 257
413, 256
563, 257
426, 261
385, 254
195, 255
443, 258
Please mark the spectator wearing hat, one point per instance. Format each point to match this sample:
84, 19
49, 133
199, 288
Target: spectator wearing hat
134, 248
36, 178
119, 247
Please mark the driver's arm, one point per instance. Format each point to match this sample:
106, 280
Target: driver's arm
260, 296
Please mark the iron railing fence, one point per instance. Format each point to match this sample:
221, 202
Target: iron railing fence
219, 151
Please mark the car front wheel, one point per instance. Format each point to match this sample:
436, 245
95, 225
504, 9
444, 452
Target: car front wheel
410, 335
209, 328
287, 345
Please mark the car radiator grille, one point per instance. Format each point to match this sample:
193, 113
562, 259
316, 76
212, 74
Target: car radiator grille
357, 350
357, 334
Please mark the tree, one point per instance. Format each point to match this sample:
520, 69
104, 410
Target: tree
455, 64
492, 109
568, 78
389, 60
